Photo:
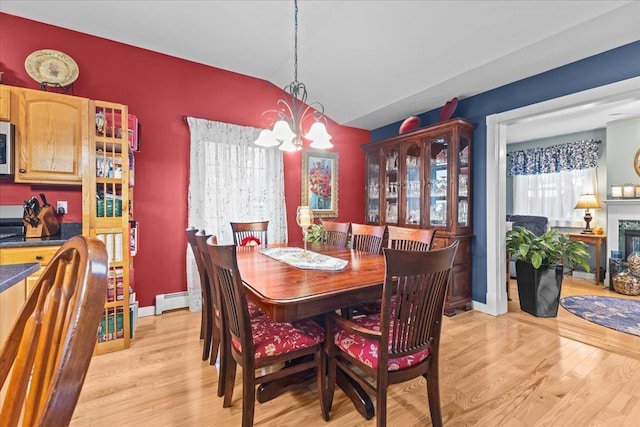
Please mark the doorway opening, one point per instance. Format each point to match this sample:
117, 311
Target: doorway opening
497, 137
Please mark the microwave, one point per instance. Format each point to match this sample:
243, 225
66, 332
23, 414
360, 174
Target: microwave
7, 147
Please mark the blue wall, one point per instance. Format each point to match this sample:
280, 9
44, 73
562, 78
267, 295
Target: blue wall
612, 66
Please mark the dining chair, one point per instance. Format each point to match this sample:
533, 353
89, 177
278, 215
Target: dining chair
259, 342
406, 239
410, 239
218, 338
46, 355
250, 233
367, 238
402, 341
335, 233
206, 321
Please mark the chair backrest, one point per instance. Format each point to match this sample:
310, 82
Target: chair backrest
191, 238
234, 299
410, 239
49, 349
367, 238
210, 281
250, 233
335, 233
418, 280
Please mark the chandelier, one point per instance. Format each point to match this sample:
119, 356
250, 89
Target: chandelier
287, 130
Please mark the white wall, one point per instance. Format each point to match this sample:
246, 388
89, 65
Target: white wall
623, 141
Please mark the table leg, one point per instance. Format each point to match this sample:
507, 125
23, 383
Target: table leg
598, 249
356, 393
361, 400
273, 389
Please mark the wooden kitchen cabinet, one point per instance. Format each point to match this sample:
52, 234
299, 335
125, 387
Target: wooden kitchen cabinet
27, 255
422, 179
51, 132
5, 103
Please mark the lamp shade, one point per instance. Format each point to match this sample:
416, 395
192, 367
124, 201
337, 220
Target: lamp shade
266, 139
587, 201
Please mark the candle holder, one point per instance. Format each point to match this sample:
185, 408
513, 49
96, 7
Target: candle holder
304, 218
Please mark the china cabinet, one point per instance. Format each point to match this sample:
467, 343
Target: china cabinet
422, 179
51, 131
106, 206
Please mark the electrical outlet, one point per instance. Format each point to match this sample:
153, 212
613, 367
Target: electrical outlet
61, 207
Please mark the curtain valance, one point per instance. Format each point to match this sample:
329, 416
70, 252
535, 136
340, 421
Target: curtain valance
557, 158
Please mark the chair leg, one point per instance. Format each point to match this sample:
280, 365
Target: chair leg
248, 397
433, 390
215, 344
203, 318
206, 349
225, 356
330, 386
381, 402
229, 380
322, 383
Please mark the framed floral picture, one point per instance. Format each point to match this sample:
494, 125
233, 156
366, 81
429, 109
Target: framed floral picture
320, 183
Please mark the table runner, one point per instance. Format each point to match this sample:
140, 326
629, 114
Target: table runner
312, 260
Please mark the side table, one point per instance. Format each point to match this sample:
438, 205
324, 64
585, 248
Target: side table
592, 239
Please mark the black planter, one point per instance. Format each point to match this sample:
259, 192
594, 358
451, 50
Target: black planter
539, 289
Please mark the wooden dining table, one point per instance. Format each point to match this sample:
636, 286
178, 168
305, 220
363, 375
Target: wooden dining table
287, 293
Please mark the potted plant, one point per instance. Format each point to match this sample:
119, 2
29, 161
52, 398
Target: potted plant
539, 268
315, 233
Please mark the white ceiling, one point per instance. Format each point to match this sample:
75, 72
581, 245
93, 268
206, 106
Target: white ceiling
370, 63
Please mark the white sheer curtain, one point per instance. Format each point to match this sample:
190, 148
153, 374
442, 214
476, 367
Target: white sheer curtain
231, 179
554, 195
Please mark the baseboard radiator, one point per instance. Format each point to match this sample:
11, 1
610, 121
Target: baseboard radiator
165, 302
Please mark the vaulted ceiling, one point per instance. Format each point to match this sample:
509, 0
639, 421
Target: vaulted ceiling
369, 63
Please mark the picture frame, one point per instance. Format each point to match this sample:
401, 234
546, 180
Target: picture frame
636, 162
320, 183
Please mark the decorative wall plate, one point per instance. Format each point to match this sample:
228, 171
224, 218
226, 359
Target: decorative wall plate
51, 67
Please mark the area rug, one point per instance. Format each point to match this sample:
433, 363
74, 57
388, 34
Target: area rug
620, 314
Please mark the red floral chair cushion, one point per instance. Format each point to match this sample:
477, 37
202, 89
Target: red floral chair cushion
271, 338
254, 309
250, 241
366, 350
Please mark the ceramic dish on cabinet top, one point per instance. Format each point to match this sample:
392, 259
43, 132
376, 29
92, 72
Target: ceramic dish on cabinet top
51, 67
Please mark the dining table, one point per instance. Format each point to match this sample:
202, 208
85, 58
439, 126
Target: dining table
287, 293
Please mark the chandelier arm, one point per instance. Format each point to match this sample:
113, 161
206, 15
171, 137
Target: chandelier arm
293, 109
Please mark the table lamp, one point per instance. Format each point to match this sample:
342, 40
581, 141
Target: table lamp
587, 201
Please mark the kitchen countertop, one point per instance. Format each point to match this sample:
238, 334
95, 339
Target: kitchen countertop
66, 232
14, 273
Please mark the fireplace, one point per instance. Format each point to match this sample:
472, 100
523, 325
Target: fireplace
623, 222
629, 234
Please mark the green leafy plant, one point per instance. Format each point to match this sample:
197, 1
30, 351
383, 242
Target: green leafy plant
548, 248
315, 233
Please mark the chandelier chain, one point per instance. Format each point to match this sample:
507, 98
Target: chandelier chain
295, 45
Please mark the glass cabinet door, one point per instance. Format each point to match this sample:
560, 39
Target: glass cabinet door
463, 182
391, 185
373, 187
438, 180
411, 184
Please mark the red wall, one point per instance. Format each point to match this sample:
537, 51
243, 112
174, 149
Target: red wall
160, 90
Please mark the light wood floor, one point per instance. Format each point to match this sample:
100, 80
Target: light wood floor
512, 370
